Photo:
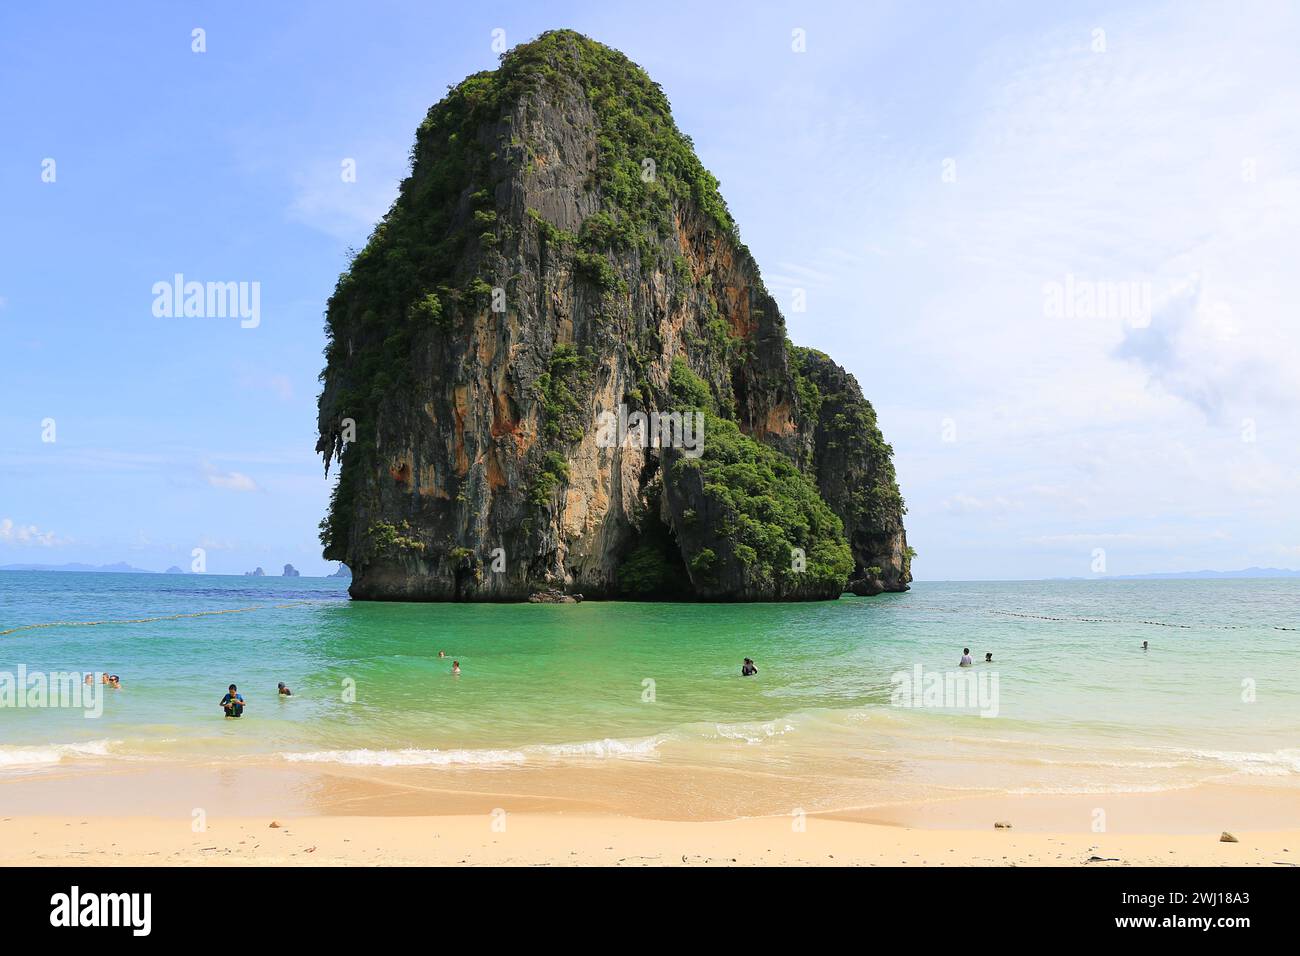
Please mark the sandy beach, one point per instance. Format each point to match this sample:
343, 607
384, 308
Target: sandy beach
178, 815
529, 839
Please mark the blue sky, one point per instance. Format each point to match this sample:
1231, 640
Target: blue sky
925, 173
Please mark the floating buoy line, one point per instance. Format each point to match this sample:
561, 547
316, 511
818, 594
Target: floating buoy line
1115, 620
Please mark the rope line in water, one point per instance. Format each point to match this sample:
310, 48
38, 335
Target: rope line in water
1115, 620
168, 617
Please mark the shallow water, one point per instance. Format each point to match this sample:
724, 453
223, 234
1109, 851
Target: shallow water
1080, 707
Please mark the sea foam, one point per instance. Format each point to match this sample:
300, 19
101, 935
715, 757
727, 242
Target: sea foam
413, 757
408, 757
608, 747
37, 755
1278, 763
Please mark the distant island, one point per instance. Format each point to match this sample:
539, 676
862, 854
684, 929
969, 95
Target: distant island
342, 572
255, 573
291, 572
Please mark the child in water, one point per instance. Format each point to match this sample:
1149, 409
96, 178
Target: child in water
455, 668
233, 702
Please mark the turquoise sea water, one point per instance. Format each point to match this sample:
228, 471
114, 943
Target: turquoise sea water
1080, 706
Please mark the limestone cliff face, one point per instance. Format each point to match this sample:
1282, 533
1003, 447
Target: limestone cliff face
854, 471
559, 259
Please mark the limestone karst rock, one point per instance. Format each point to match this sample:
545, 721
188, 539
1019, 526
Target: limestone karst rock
557, 262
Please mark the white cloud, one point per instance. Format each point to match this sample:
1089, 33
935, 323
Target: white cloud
962, 504
1174, 160
347, 210
27, 535
229, 480
216, 544
1127, 166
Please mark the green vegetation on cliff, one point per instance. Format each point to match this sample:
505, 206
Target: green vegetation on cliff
879, 504
558, 388
854, 469
770, 508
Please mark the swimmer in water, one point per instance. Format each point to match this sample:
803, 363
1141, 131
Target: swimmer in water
283, 690
1144, 645
455, 668
441, 655
965, 658
988, 658
748, 669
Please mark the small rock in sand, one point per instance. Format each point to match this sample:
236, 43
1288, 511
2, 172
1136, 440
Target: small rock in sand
1226, 837
1002, 825
275, 825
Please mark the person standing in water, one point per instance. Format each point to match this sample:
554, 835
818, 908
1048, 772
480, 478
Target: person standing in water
988, 658
1144, 645
748, 669
283, 690
965, 658
233, 702
455, 668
